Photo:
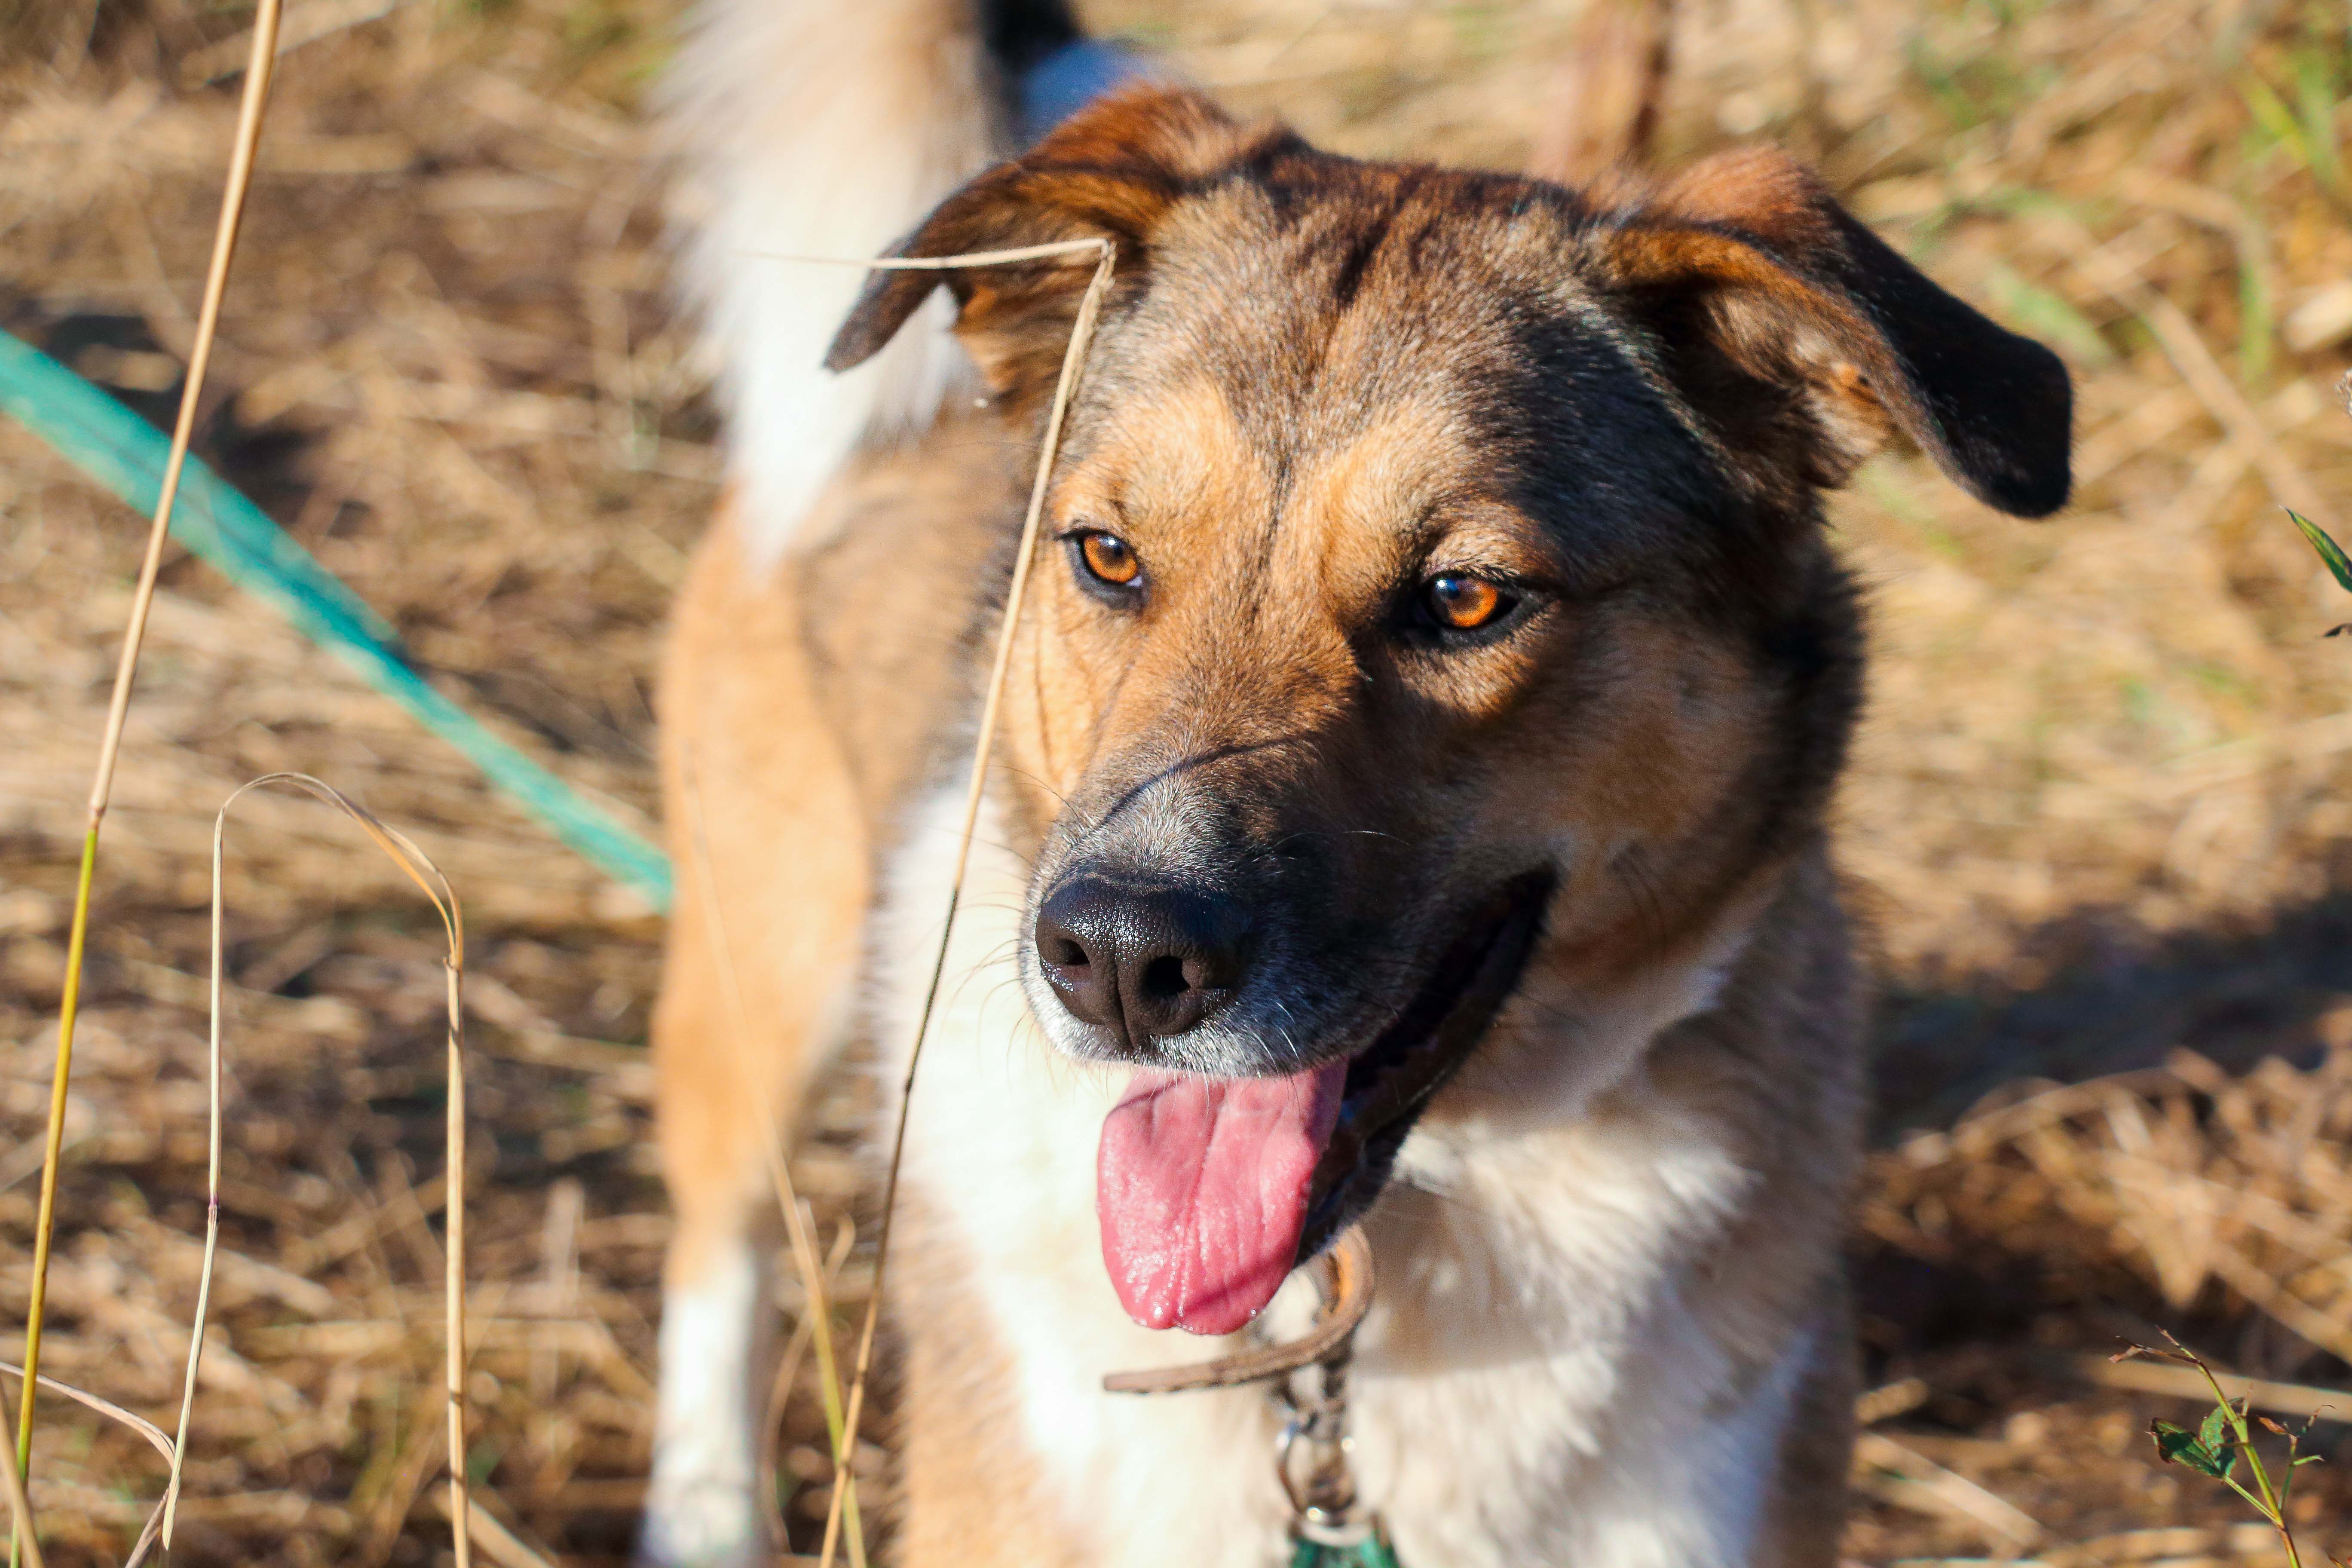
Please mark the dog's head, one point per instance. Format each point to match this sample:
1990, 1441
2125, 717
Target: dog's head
1434, 581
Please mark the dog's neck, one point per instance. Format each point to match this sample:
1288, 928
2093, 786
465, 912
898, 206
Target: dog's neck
1534, 1253
1537, 1254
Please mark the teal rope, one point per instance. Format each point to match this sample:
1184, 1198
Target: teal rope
1373, 1551
126, 455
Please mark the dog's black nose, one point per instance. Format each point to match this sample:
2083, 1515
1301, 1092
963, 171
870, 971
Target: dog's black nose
1142, 963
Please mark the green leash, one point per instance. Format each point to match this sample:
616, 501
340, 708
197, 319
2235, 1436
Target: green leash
1373, 1551
126, 455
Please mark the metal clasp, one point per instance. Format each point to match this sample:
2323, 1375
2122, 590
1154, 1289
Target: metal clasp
1310, 1384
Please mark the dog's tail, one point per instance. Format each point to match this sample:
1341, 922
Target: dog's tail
829, 128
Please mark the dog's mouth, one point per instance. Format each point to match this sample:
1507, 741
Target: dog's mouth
1211, 1190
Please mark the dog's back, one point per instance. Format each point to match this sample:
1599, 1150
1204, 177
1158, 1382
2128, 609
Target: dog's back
1419, 738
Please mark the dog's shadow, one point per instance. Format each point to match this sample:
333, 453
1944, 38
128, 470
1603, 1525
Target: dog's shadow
2112, 998
2001, 1316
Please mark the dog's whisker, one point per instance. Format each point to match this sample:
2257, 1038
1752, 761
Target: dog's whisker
1010, 771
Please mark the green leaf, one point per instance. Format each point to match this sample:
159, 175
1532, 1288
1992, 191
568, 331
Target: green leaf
2214, 1431
2329, 551
2179, 1445
2276, 120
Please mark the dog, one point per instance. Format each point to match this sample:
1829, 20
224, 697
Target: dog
1408, 806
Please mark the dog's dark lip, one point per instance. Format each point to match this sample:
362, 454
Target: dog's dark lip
1391, 1081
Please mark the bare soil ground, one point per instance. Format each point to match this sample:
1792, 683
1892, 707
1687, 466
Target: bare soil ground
2100, 818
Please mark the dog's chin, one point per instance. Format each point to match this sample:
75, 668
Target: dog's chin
1393, 1079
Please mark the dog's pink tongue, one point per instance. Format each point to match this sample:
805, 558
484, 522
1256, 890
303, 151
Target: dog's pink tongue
1200, 1186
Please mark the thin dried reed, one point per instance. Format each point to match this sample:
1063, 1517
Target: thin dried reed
780, 1390
419, 869
250, 113
22, 1509
1074, 359
20, 1515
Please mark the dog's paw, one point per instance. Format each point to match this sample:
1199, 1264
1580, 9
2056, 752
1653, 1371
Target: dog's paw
702, 1523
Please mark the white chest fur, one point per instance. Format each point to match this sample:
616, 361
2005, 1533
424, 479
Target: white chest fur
1531, 1387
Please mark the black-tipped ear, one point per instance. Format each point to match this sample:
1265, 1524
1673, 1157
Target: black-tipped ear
1999, 409
1792, 297
1110, 172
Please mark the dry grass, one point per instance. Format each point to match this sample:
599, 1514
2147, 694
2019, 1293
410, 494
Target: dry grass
2099, 811
2216, 1191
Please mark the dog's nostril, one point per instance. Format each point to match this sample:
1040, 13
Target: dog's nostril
1066, 954
1166, 977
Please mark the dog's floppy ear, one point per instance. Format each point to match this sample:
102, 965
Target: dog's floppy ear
1804, 340
1110, 172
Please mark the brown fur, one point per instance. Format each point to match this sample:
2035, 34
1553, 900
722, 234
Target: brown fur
1317, 382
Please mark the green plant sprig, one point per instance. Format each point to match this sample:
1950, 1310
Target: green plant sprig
2330, 553
2226, 1436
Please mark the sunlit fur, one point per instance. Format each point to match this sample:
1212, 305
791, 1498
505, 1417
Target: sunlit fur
1611, 1327
756, 87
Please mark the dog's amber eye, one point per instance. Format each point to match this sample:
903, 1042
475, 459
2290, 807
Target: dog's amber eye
1108, 558
1464, 604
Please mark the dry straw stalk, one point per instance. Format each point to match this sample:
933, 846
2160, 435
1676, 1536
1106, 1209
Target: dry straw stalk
251, 108
420, 869
113, 1412
1082, 333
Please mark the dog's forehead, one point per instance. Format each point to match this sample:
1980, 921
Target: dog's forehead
1393, 340
1333, 287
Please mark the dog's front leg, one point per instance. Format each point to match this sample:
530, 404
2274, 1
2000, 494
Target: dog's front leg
718, 1324
769, 848
702, 1508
